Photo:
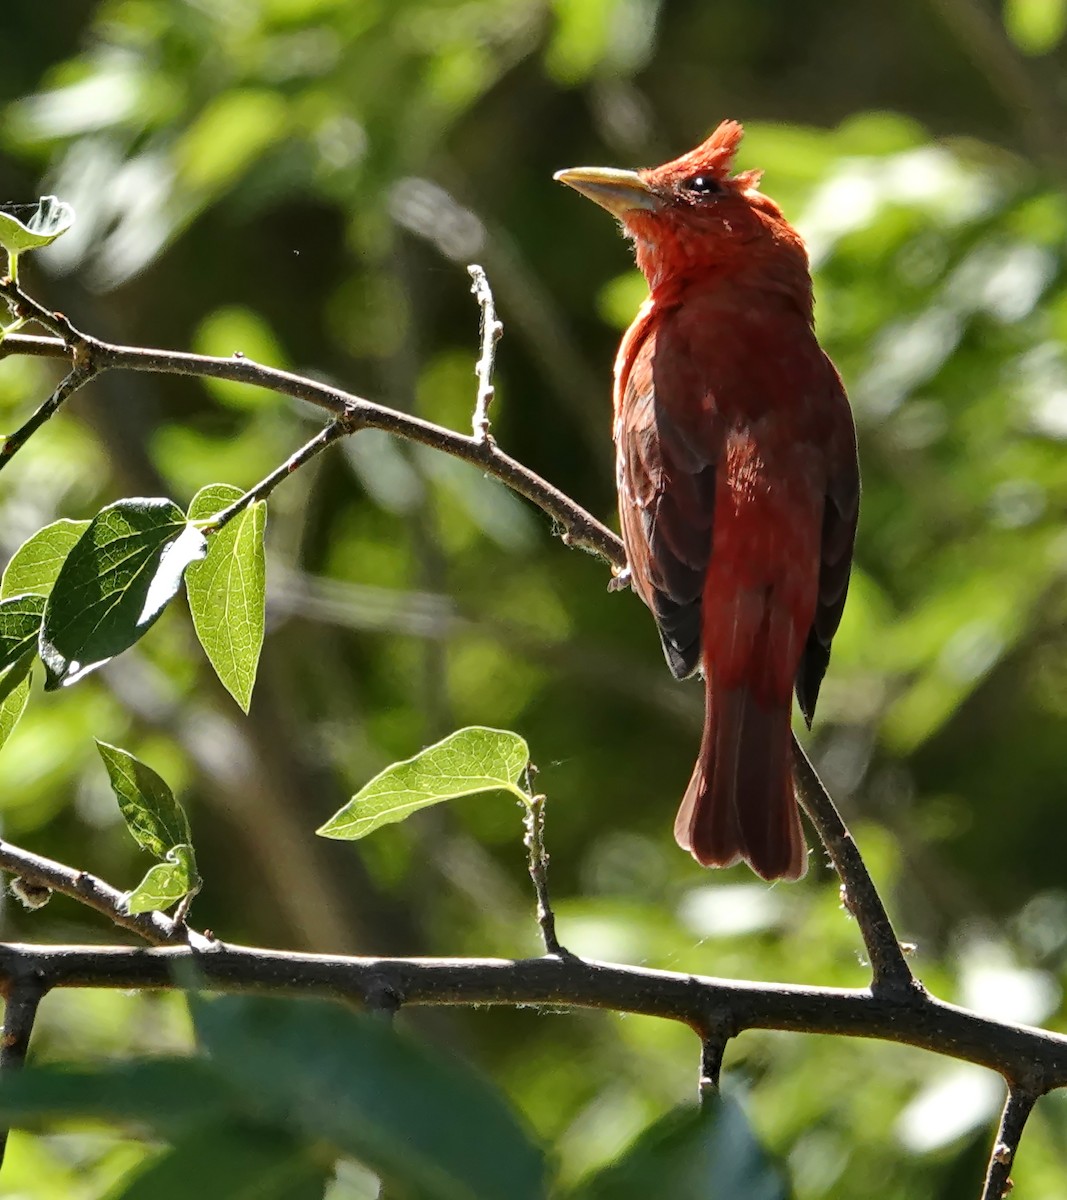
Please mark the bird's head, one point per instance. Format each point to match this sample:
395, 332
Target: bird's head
690, 216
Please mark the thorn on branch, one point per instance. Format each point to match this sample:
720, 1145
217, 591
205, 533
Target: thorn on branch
491, 329
712, 1050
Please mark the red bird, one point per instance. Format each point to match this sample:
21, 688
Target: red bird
738, 482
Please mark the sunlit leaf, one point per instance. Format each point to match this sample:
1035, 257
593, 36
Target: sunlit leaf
166, 882
20, 625
706, 1153
227, 591
29, 226
14, 694
427, 1123
155, 819
118, 578
35, 565
469, 761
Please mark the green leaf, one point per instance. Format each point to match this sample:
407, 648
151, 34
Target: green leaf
168, 1095
156, 820
231, 1162
29, 226
424, 1122
118, 578
20, 626
14, 695
227, 591
166, 882
469, 761
706, 1153
35, 565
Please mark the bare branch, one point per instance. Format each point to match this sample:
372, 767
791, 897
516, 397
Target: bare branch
154, 927
579, 528
491, 332
75, 378
22, 995
326, 437
1017, 1109
889, 968
557, 982
538, 867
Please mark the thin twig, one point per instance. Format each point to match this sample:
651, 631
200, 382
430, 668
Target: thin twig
154, 927
22, 995
491, 330
579, 528
537, 863
1017, 1108
75, 378
890, 972
326, 437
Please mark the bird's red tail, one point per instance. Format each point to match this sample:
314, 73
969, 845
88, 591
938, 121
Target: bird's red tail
740, 803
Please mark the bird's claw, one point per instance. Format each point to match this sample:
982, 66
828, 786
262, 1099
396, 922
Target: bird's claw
621, 581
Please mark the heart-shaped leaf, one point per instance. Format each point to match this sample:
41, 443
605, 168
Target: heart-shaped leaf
120, 575
472, 760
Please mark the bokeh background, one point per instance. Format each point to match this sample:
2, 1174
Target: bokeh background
304, 181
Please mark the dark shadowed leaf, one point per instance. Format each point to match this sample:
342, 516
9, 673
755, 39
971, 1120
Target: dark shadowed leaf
707, 1153
472, 760
118, 578
35, 565
227, 591
166, 1095
424, 1121
231, 1162
29, 226
156, 820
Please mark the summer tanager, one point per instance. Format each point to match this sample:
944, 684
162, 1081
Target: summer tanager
737, 478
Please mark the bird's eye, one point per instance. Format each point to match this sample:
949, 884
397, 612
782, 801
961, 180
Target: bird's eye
703, 185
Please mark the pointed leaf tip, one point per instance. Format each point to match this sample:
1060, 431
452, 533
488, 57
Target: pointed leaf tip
476, 759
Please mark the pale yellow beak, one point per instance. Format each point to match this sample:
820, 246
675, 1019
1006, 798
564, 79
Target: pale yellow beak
620, 192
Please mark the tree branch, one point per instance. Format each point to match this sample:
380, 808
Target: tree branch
580, 528
22, 995
890, 972
155, 927
1017, 1109
491, 331
556, 982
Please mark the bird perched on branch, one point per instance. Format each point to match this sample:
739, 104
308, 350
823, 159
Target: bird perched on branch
737, 478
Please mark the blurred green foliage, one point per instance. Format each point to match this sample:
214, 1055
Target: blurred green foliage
304, 181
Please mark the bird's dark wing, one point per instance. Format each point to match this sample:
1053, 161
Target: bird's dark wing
666, 481
840, 515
